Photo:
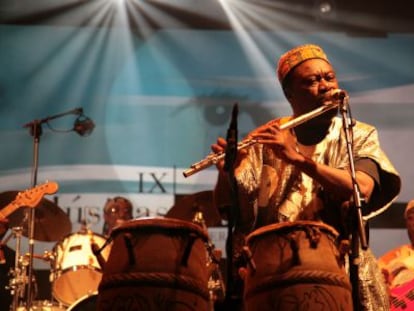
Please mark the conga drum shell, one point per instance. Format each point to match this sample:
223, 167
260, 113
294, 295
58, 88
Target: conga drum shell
156, 264
297, 267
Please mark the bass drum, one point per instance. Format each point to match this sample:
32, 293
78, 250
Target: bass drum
86, 303
76, 270
43, 305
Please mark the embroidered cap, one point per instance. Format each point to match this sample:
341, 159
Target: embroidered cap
297, 55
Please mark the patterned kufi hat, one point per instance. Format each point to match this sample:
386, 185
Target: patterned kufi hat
297, 55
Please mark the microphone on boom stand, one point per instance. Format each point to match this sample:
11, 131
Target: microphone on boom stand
83, 125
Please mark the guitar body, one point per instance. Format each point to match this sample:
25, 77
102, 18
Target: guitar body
402, 297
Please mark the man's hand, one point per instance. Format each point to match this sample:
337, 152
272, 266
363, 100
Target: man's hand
220, 147
281, 141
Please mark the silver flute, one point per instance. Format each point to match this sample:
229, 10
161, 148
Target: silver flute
213, 158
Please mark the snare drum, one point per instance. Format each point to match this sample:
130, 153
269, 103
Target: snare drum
76, 271
297, 266
156, 264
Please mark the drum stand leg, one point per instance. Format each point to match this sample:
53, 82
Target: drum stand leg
216, 287
17, 282
19, 279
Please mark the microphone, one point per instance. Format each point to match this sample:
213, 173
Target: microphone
83, 125
342, 97
231, 149
338, 94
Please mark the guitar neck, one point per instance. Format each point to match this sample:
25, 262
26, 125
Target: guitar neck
29, 198
10, 208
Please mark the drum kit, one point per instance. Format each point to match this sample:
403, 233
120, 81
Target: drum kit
39, 219
75, 272
170, 263
78, 259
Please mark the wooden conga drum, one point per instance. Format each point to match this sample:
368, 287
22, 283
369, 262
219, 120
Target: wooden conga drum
156, 264
296, 266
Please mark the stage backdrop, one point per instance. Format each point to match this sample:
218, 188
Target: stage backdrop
159, 102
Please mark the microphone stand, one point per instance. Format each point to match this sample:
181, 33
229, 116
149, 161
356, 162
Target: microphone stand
36, 131
357, 230
229, 162
77, 111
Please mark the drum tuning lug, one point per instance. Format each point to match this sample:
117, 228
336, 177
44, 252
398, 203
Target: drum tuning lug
48, 256
198, 219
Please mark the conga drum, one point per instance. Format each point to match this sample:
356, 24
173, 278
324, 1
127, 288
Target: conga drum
156, 264
296, 266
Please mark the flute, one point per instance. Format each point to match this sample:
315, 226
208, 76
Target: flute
213, 158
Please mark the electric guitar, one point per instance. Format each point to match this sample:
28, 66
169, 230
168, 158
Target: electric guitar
402, 297
29, 198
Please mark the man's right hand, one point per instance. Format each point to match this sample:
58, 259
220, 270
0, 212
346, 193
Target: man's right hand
219, 147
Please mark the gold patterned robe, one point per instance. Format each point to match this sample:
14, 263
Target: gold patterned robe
272, 191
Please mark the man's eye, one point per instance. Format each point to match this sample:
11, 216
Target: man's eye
330, 77
310, 81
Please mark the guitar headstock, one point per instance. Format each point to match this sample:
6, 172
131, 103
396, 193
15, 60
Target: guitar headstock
31, 197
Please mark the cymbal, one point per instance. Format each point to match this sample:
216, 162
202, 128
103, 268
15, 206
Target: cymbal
186, 207
51, 222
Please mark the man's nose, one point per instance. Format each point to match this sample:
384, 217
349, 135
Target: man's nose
325, 85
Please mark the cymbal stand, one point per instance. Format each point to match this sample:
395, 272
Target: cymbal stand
18, 281
36, 132
215, 285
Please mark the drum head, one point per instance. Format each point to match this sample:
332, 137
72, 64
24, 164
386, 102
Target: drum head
158, 224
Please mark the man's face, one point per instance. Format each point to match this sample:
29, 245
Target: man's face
117, 212
310, 84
